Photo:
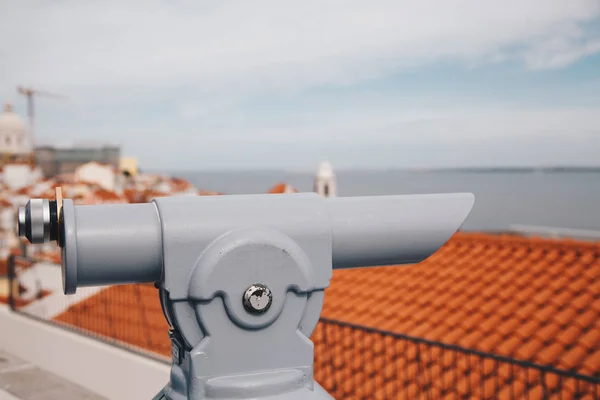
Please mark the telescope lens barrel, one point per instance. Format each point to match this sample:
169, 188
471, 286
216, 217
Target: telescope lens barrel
38, 221
22, 222
101, 244
123, 243
111, 244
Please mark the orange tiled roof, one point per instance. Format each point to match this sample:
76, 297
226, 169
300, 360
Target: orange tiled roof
281, 188
49, 256
23, 190
180, 185
129, 313
530, 299
107, 196
132, 195
150, 194
209, 193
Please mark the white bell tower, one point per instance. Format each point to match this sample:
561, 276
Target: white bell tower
325, 184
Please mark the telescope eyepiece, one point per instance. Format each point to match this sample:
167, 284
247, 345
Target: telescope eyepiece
38, 221
22, 222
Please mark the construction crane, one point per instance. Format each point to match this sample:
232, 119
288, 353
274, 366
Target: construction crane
30, 93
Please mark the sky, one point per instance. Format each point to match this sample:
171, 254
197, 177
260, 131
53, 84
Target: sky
272, 84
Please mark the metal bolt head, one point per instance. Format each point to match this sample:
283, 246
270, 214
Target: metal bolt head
257, 298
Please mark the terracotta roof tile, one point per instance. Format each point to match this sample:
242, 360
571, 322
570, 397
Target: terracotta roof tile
565, 316
528, 329
586, 318
508, 326
546, 313
573, 358
531, 347
470, 340
509, 346
548, 332
550, 354
542, 296
591, 364
569, 335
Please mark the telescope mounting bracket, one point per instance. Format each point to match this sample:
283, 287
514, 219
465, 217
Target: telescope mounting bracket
268, 350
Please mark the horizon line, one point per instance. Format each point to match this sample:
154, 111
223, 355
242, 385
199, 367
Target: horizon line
386, 169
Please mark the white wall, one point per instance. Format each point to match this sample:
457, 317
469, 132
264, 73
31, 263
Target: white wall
8, 216
93, 172
16, 176
106, 370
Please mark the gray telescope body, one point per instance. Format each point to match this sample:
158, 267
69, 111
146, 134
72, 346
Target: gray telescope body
241, 279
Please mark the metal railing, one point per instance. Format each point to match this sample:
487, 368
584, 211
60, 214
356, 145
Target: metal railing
351, 361
365, 363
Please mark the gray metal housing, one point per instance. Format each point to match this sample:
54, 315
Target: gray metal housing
206, 252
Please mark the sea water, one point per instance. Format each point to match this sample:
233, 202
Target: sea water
553, 199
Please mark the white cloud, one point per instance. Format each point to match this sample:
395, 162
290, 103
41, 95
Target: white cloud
117, 58
560, 52
382, 134
237, 45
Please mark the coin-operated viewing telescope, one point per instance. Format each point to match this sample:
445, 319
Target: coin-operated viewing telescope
241, 278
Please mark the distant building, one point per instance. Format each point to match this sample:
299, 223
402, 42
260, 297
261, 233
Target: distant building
64, 159
325, 183
16, 147
128, 166
15, 138
18, 175
100, 174
17, 167
282, 188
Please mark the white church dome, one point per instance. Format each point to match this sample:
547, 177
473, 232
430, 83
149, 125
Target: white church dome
14, 137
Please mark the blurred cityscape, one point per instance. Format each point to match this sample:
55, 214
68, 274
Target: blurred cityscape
491, 315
